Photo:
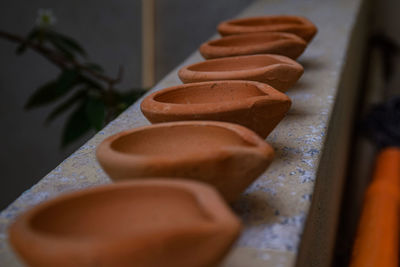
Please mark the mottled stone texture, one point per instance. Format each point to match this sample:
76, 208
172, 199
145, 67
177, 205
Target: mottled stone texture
275, 207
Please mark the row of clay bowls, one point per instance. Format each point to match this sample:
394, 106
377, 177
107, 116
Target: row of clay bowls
208, 134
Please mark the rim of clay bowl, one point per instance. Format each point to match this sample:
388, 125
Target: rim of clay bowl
254, 43
255, 145
238, 26
189, 72
150, 104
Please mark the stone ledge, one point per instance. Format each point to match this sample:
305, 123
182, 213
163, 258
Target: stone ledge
274, 209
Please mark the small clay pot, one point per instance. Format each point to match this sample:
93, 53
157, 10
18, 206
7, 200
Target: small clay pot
143, 224
255, 105
278, 71
283, 23
285, 44
225, 155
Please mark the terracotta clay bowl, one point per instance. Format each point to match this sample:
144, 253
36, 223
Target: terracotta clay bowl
170, 223
285, 44
255, 105
283, 23
225, 155
278, 71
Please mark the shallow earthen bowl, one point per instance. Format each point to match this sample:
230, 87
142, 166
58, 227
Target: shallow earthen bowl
145, 223
300, 26
278, 71
228, 156
255, 105
279, 43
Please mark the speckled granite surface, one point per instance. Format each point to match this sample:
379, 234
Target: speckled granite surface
275, 207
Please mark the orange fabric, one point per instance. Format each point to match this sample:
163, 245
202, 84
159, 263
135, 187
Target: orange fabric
377, 240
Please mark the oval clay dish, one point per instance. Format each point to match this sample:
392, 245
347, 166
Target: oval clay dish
285, 44
225, 155
170, 223
300, 26
278, 71
255, 105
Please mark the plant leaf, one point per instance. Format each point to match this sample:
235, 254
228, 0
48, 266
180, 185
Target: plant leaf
94, 66
43, 95
95, 112
128, 98
62, 48
31, 36
76, 126
90, 82
68, 79
131, 96
67, 42
53, 90
66, 105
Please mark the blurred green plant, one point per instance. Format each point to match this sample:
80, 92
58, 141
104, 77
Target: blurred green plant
81, 84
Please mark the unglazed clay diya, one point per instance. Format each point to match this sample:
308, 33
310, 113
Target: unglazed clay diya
285, 44
145, 223
283, 23
278, 71
255, 105
225, 155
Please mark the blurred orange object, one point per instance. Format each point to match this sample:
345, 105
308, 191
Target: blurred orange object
377, 240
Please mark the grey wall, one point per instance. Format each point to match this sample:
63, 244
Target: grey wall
110, 31
183, 25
